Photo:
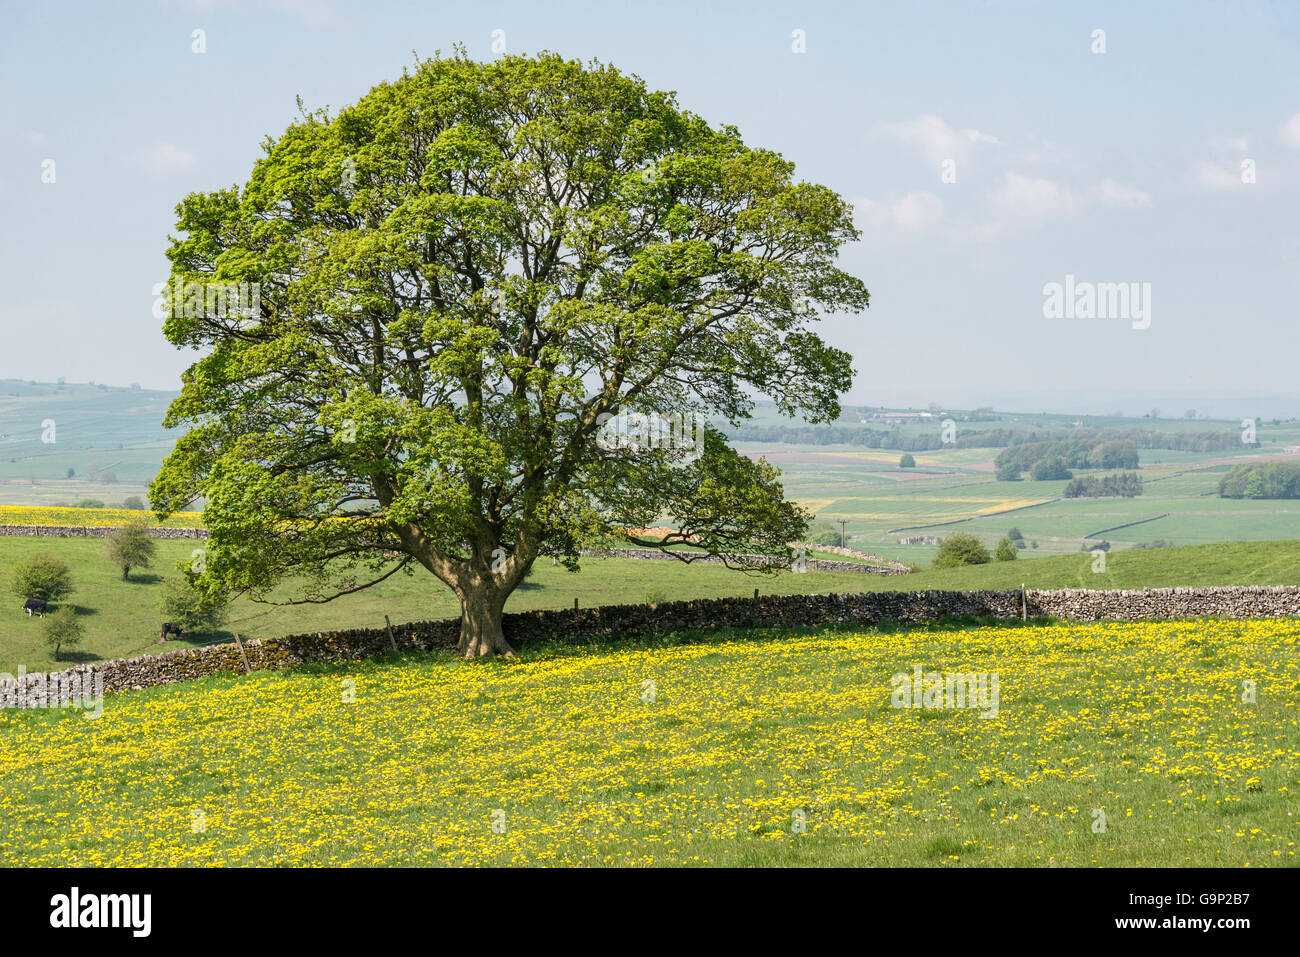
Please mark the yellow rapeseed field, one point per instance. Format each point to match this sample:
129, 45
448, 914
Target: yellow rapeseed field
1112, 744
47, 515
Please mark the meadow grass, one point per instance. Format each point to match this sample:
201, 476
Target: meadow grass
122, 618
570, 756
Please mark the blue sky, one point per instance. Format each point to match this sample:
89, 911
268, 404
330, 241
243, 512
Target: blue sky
1122, 166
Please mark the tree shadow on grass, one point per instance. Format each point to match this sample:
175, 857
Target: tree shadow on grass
144, 578
76, 657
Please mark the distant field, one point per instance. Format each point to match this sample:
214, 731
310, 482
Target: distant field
93, 517
1179, 503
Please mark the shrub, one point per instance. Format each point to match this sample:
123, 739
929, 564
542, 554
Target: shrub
823, 534
41, 576
1006, 551
90, 503
960, 549
129, 546
63, 629
133, 503
192, 610
906, 461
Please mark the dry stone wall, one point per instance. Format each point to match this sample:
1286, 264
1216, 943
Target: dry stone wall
95, 531
585, 624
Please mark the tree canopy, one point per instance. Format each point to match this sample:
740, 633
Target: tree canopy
464, 287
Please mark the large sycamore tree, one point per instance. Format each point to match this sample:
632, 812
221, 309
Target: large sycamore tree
462, 277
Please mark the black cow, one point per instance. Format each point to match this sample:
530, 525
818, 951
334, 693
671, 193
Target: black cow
169, 629
36, 605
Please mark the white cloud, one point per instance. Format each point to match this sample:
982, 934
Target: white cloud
1289, 134
1110, 193
907, 216
935, 139
1028, 201
1215, 176
166, 158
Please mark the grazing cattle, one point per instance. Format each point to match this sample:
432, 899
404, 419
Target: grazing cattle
36, 605
169, 629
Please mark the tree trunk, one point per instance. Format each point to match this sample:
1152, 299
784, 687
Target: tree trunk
480, 623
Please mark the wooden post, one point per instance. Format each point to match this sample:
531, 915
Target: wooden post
1024, 604
755, 594
575, 602
389, 625
242, 654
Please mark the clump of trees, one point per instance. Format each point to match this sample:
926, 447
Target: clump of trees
1264, 480
1122, 484
1050, 469
41, 575
1092, 453
960, 549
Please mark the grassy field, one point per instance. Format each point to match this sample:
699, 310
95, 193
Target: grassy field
122, 618
1111, 745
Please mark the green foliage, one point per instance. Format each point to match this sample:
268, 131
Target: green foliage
130, 546
1049, 469
1125, 484
41, 575
907, 462
1008, 472
1005, 551
1014, 534
90, 503
1262, 480
62, 629
133, 502
1078, 453
445, 268
193, 610
960, 549
823, 533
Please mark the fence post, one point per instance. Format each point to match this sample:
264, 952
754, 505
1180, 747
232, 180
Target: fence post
1024, 604
389, 625
242, 654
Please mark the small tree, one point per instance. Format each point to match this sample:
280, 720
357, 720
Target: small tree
90, 503
1014, 534
1008, 472
961, 549
63, 629
907, 462
1006, 551
134, 503
41, 576
190, 609
130, 546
